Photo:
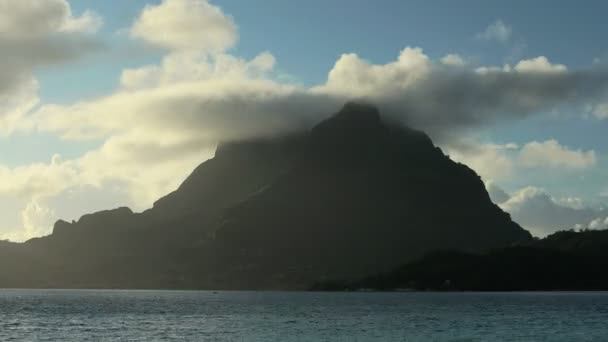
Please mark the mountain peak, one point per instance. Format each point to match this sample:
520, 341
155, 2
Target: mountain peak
355, 196
354, 115
355, 122
359, 111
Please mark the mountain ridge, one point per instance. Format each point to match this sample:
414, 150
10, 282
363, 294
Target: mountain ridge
352, 197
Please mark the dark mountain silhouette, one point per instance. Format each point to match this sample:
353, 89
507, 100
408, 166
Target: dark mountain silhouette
354, 196
565, 260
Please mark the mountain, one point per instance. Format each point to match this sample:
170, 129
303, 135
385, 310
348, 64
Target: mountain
566, 261
354, 196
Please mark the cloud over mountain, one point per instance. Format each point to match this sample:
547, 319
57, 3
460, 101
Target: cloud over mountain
166, 117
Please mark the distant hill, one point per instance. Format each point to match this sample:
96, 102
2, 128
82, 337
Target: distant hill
355, 196
562, 261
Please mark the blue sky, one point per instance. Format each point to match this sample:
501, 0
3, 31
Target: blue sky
306, 40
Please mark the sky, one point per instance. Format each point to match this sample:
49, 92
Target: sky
113, 103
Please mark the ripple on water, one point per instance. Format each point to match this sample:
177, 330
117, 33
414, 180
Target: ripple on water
293, 316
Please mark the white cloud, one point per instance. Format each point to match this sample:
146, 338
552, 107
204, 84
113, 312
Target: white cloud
539, 64
27, 19
497, 31
490, 161
191, 25
16, 103
600, 111
355, 77
534, 209
177, 68
503, 161
37, 220
36, 33
88, 22
571, 202
551, 154
453, 60
25, 189
598, 223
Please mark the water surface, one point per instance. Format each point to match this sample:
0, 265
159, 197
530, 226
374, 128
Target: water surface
68, 315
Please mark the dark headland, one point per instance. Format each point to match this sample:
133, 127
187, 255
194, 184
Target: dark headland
355, 202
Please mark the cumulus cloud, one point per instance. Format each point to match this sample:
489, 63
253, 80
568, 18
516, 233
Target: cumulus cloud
553, 155
534, 209
501, 161
33, 34
452, 59
38, 179
36, 219
25, 19
186, 25
356, 77
185, 67
490, 161
497, 31
539, 64
440, 100
88, 22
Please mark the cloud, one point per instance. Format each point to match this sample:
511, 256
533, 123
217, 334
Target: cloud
26, 19
598, 223
553, 155
27, 218
497, 31
534, 209
16, 103
490, 161
502, 161
37, 180
600, 111
497, 194
453, 59
166, 118
539, 64
355, 77
88, 22
36, 220
181, 68
191, 25
440, 100
34, 34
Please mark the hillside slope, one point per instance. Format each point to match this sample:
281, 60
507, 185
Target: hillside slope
354, 196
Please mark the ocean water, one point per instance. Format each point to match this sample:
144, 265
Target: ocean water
67, 315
